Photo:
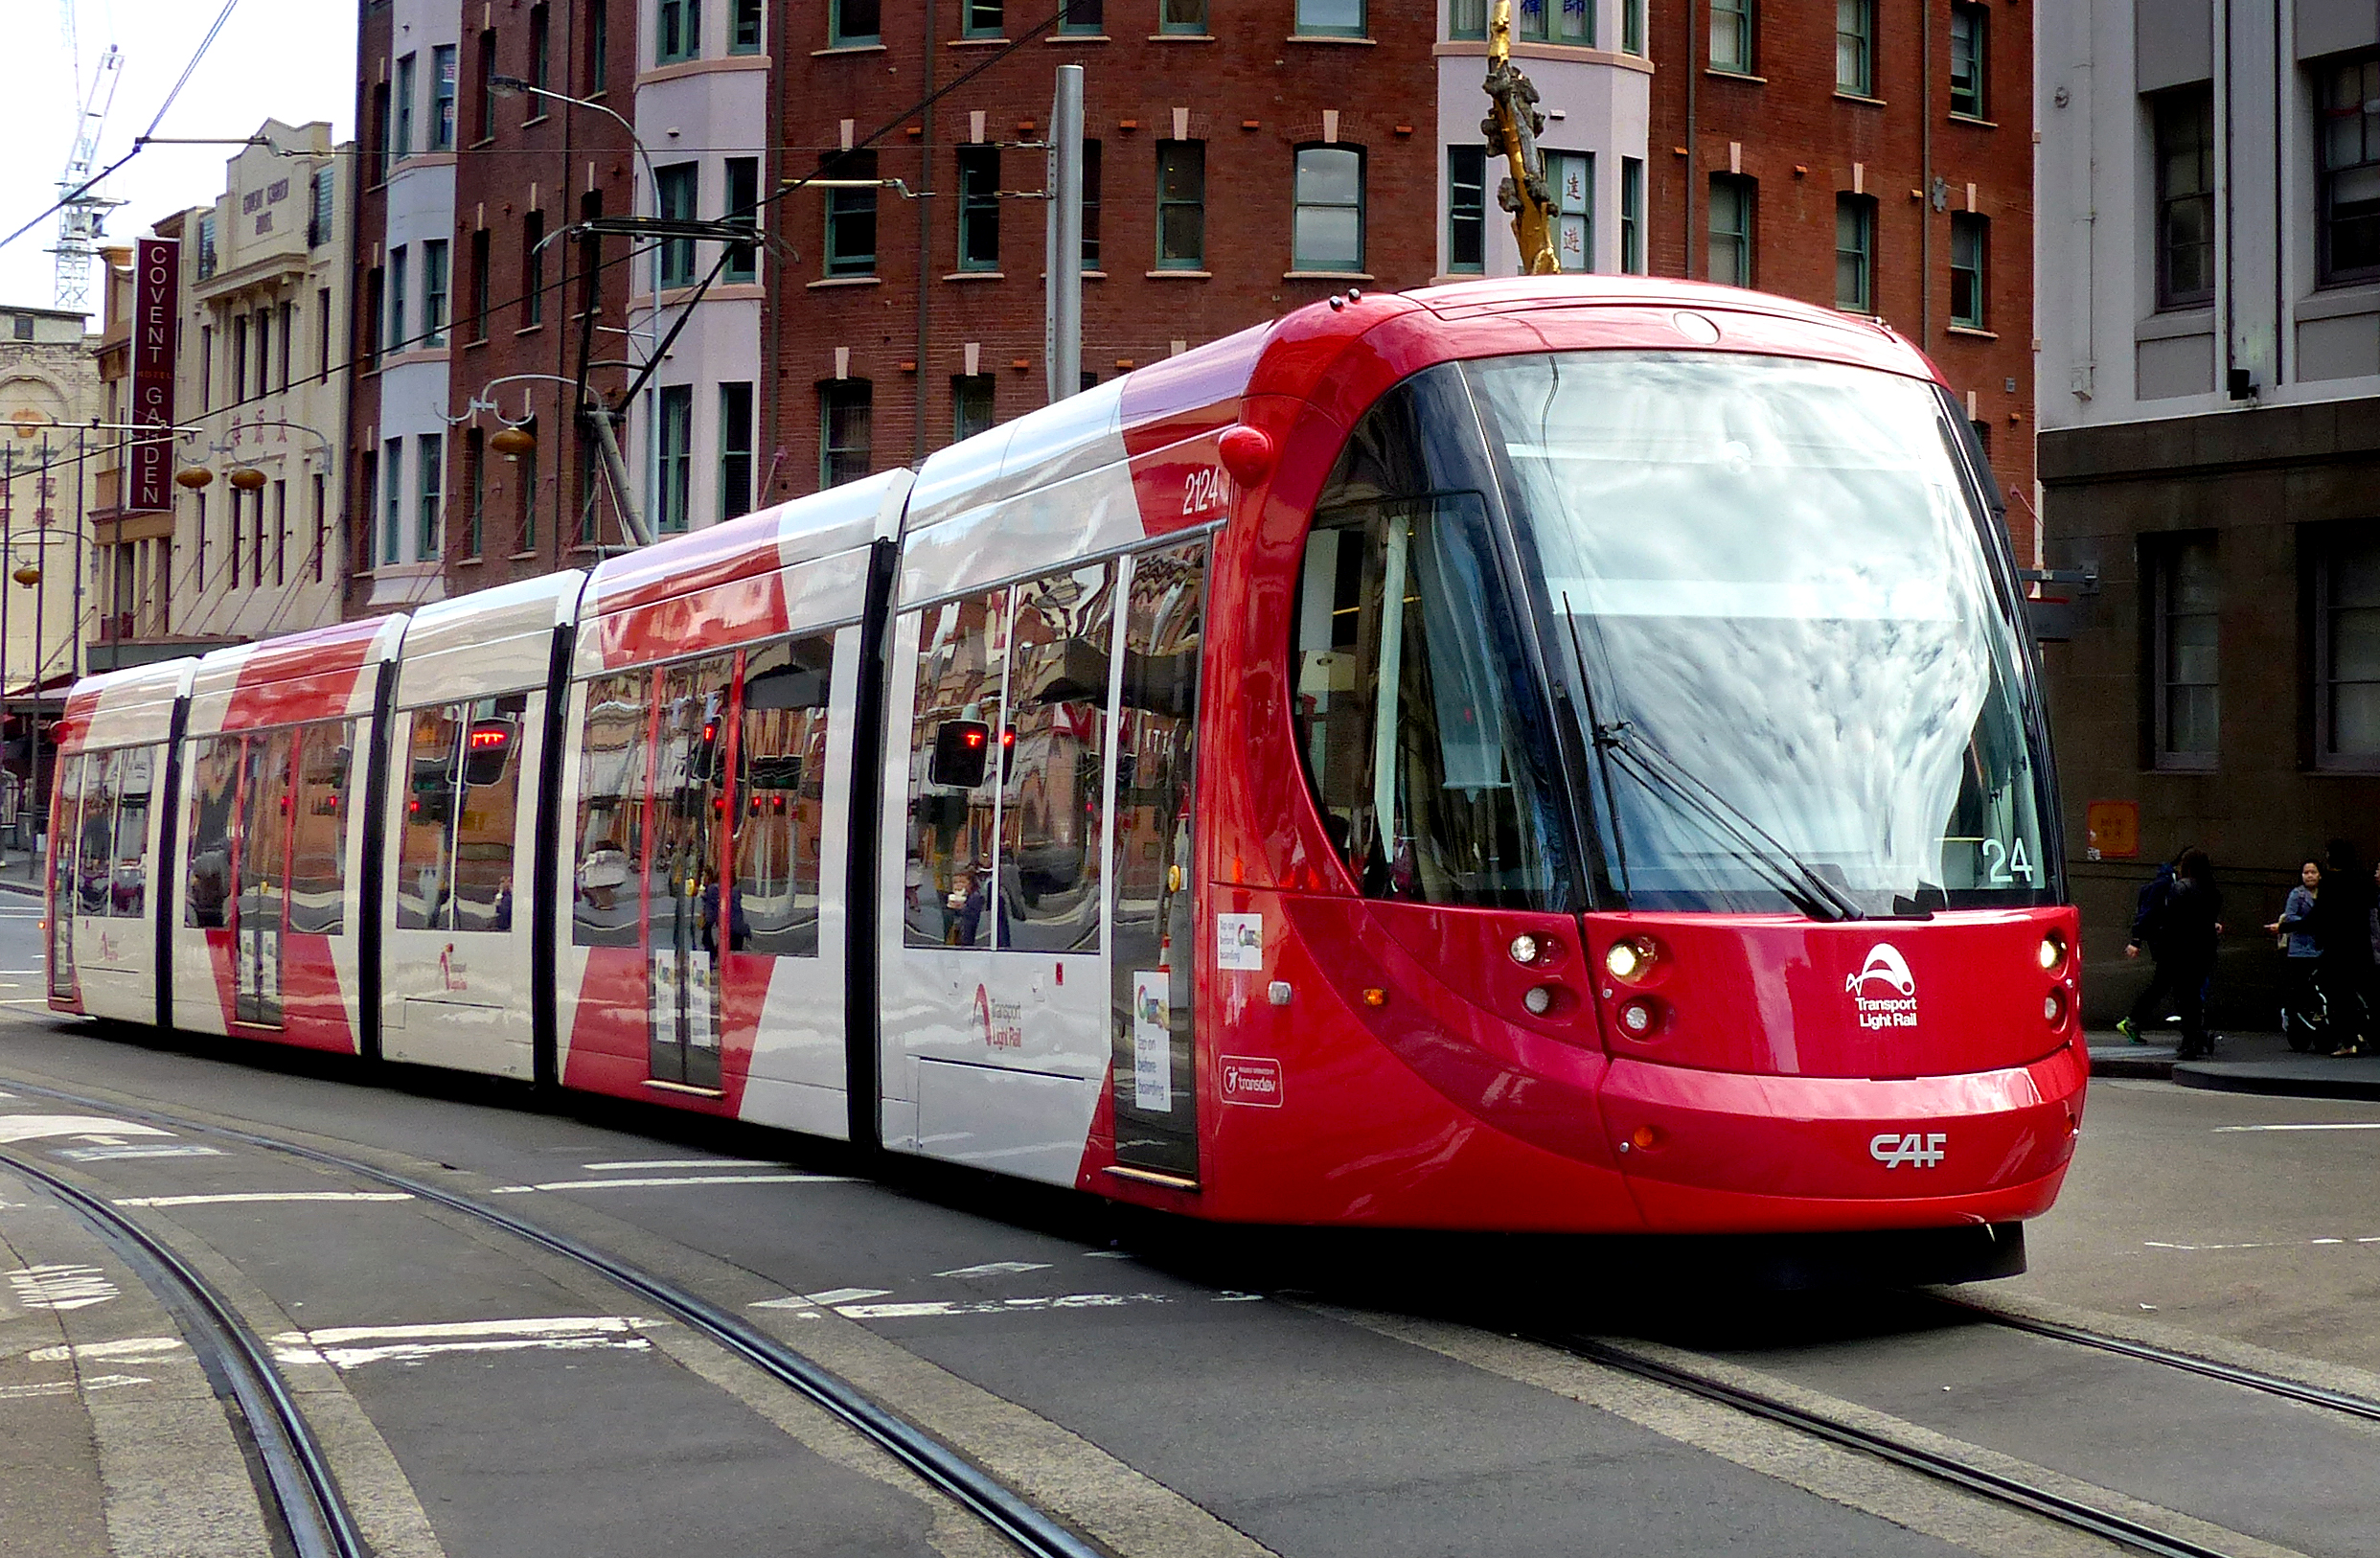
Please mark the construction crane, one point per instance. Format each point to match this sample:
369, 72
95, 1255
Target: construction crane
1513, 124
82, 213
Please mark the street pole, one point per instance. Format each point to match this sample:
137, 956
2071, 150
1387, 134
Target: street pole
1062, 337
41, 592
7, 562
73, 663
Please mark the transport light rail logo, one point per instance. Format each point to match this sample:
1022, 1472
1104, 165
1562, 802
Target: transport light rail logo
1918, 1149
1897, 1006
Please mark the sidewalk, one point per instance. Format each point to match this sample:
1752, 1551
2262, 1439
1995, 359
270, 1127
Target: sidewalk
17, 874
2261, 1063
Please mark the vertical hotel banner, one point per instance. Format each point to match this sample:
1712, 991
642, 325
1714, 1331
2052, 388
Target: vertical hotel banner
156, 319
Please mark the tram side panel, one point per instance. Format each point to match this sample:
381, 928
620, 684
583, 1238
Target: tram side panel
110, 806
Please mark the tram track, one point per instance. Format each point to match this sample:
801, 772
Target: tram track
1022, 1522
303, 1496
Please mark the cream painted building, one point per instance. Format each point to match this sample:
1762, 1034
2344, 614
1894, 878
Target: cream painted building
50, 394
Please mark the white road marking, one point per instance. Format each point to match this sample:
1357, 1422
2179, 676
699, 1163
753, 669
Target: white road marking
414, 1352
336, 1346
2325, 1125
2277, 1244
1107, 1254
67, 1388
998, 1267
16, 1128
683, 1163
154, 1149
543, 1325
833, 1295
132, 1350
61, 1287
708, 1179
235, 1195
26, 1000
997, 1306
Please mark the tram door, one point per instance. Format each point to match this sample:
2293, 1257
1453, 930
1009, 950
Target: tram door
685, 895
1154, 965
260, 919
65, 843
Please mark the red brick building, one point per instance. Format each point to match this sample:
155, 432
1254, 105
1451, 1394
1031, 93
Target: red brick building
1783, 135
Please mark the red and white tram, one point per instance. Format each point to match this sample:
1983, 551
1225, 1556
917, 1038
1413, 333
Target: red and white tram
1542, 754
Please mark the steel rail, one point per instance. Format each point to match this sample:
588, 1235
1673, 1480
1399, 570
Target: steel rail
304, 1492
1006, 1511
2314, 1395
1993, 1485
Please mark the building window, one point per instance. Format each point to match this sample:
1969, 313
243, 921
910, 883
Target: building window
403, 145
475, 489
742, 175
321, 333
1855, 29
264, 352
240, 354
1631, 27
322, 520
1182, 17
1090, 205
1087, 17
392, 507
1330, 18
483, 105
598, 50
319, 220
525, 496
375, 305
1181, 205
1855, 253
1969, 32
206, 360
2347, 640
2184, 142
673, 458
845, 407
854, 22
735, 450
979, 18
532, 270
980, 208
434, 292
743, 27
1327, 230
1970, 243
541, 57
1571, 177
479, 286
2187, 598
1731, 28
851, 217
1731, 201
1631, 215
2349, 135
442, 98
676, 185
1466, 18
1555, 21
679, 34
429, 537
400, 263
383, 141
970, 405
288, 340
1466, 210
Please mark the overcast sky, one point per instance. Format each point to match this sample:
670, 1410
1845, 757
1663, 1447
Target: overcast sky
288, 59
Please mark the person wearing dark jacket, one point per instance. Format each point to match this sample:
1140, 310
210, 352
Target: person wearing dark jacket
2341, 925
2179, 930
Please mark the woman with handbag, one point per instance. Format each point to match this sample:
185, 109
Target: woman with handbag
2302, 1012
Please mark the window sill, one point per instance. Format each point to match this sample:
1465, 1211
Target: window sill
1059, 40
1178, 275
484, 141
2338, 300
847, 48
977, 276
475, 343
1976, 120
2170, 764
1726, 75
472, 561
1182, 38
1326, 39
521, 557
1974, 333
1859, 98
536, 119
845, 281
976, 43
1326, 275
528, 329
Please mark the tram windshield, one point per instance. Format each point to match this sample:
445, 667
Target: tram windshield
1802, 689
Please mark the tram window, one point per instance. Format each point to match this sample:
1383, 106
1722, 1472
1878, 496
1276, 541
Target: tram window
318, 858
128, 891
962, 653
65, 825
424, 860
95, 844
1420, 752
689, 794
1053, 759
614, 764
487, 812
215, 790
264, 828
777, 831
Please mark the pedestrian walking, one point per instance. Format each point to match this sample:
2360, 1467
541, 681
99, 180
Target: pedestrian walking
2179, 925
2303, 1014
2341, 928
2148, 911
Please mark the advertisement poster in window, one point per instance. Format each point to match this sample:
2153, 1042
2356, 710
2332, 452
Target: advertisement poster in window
1153, 1041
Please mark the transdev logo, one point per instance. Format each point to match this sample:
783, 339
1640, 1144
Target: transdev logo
1883, 992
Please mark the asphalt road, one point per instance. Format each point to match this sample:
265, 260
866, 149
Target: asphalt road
1168, 1395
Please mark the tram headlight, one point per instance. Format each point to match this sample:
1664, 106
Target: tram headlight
1525, 949
1630, 959
2053, 952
